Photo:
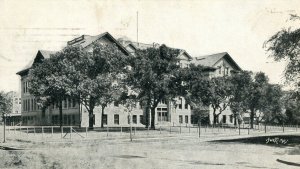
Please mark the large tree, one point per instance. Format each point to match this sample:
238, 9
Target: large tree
6, 104
91, 77
195, 88
256, 100
240, 90
48, 82
152, 77
284, 45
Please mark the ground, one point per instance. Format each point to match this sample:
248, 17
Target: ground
152, 149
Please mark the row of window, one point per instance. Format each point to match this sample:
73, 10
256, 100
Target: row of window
181, 119
30, 105
25, 87
117, 119
186, 106
66, 104
67, 120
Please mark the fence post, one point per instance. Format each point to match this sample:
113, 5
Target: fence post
265, 128
180, 128
282, 127
52, 131
160, 129
42, 131
61, 131
248, 129
239, 129
199, 125
106, 130
86, 131
70, 132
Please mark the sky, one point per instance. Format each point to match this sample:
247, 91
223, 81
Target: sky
200, 27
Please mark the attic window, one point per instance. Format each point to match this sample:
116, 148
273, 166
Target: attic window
220, 70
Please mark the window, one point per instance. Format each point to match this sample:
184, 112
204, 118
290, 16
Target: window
74, 103
186, 119
162, 114
180, 119
231, 118
104, 119
227, 71
116, 104
186, 106
65, 103
69, 103
24, 88
116, 119
141, 119
220, 70
134, 119
224, 118
180, 103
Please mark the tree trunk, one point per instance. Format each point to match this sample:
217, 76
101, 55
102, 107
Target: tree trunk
251, 118
91, 119
102, 116
60, 114
147, 117
214, 117
234, 116
153, 118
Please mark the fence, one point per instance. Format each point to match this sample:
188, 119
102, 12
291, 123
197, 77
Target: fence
56, 133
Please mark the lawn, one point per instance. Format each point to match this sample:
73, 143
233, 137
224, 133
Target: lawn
153, 151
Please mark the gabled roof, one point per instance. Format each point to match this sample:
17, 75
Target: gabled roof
142, 46
87, 40
45, 54
211, 60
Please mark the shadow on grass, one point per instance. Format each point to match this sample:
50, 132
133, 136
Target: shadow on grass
277, 140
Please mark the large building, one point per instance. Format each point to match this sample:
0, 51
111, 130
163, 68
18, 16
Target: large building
115, 115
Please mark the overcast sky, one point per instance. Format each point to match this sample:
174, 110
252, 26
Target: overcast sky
200, 27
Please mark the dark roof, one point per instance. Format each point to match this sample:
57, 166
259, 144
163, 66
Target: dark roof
142, 46
87, 40
43, 53
211, 60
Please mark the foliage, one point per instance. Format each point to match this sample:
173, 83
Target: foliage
93, 78
6, 103
284, 45
240, 89
153, 77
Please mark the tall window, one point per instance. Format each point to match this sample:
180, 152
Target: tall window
104, 119
141, 119
162, 114
224, 118
116, 119
186, 106
186, 119
180, 119
65, 103
69, 103
220, 69
180, 103
134, 119
74, 103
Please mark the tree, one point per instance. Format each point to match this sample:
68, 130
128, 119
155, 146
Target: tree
6, 104
93, 78
219, 95
271, 111
196, 89
152, 77
284, 45
292, 108
255, 100
49, 81
240, 90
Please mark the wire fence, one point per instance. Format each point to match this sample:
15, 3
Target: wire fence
71, 133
